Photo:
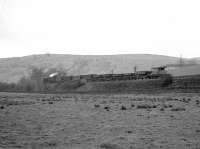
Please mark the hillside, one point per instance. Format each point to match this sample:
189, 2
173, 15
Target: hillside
185, 71
12, 69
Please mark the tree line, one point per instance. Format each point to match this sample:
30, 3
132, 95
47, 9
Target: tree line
31, 83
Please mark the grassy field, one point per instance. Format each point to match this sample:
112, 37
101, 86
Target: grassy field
100, 121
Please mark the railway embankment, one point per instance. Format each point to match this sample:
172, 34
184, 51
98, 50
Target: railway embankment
168, 83
189, 82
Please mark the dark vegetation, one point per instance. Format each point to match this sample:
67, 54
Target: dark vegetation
31, 83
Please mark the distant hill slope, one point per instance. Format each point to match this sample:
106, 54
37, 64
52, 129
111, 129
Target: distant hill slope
185, 71
12, 69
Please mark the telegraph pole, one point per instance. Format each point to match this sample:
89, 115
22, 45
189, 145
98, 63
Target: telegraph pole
181, 60
135, 69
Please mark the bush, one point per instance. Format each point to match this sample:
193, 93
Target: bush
26, 84
167, 80
33, 82
7, 86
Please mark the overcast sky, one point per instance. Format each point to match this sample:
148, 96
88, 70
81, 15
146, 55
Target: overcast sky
168, 27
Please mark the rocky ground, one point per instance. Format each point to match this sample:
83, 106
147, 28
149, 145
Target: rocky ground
104, 121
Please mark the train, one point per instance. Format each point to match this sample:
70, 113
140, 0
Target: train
154, 73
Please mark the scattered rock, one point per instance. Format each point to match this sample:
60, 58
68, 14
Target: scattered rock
107, 108
198, 131
139, 115
184, 139
96, 106
1, 107
162, 109
146, 106
143, 106
168, 106
132, 105
50, 102
184, 100
109, 146
129, 131
154, 106
123, 108
50, 144
197, 102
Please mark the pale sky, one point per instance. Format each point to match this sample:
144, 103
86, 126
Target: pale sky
167, 27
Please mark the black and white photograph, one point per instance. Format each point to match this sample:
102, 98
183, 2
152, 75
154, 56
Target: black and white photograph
99, 74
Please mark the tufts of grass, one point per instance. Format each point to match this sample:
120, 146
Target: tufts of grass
178, 109
109, 146
123, 108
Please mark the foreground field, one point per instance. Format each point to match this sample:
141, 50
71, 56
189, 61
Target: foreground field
88, 121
